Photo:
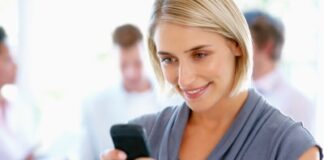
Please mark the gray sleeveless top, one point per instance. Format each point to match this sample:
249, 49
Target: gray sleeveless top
260, 132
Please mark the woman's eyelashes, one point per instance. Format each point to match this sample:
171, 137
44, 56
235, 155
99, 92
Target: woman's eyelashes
168, 60
199, 55
196, 56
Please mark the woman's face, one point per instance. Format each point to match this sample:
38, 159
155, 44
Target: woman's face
199, 63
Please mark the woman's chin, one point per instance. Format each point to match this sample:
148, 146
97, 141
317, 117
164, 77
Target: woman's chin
198, 107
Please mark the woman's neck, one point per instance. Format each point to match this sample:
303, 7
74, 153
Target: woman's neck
222, 114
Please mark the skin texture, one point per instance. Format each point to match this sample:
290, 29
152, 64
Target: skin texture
117, 155
311, 154
191, 58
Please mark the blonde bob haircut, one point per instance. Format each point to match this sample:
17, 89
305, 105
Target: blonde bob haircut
220, 16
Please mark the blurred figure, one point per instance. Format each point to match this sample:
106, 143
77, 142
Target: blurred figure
133, 97
12, 145
268, 36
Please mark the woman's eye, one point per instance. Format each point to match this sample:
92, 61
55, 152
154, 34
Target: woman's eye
168, 60
200, 55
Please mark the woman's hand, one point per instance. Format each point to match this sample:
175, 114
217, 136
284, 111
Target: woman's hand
117, 155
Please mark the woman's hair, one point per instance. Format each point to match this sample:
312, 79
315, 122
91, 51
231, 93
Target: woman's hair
219, 16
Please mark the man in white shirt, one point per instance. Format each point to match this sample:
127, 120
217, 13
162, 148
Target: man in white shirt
14, 143
268, 37
133, 97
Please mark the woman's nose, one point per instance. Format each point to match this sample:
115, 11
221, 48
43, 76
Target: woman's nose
186, 75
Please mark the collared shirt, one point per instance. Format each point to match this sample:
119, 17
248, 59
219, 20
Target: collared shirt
16, 129
286, 98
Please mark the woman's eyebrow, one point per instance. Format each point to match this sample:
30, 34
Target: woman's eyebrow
163, 53
189, 50
196, 48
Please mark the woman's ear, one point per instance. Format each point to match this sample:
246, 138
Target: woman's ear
235, 48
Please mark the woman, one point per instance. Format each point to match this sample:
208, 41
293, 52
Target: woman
203, 49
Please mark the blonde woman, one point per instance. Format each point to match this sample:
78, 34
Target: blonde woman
203, 49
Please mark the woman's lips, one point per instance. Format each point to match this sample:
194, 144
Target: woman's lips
192, 94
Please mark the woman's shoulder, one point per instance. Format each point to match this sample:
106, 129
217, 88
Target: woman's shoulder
289, 139
271, 131
297, 140
274, 133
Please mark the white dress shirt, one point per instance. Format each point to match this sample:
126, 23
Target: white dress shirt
286, 98
112, 106
17, 131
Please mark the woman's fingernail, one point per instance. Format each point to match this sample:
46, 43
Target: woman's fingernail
122, 155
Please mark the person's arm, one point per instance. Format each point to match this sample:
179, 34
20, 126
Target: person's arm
311, 154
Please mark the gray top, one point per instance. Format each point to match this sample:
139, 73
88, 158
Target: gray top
260, 132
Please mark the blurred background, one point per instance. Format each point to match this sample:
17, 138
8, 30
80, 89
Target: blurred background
65, 53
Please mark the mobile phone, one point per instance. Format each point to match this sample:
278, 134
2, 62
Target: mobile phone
131, 139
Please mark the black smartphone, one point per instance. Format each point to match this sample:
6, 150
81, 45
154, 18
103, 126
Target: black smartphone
131, 139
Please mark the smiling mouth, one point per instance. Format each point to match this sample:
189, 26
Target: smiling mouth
192, 94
